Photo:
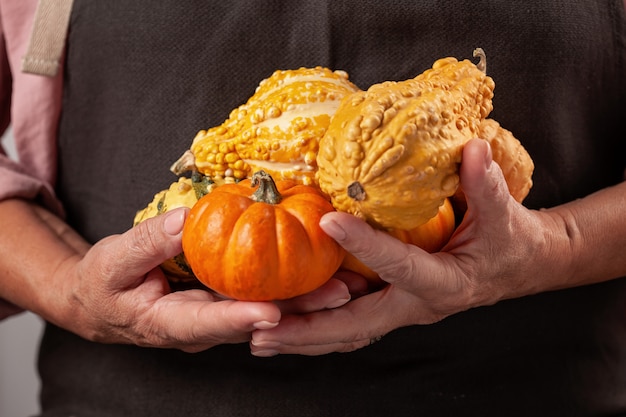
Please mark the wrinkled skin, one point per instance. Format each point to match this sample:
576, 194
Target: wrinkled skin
500, 250
139, 308
114, 291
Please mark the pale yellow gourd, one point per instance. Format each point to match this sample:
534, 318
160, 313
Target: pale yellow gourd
184, 192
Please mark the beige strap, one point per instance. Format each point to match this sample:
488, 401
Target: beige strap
47, 39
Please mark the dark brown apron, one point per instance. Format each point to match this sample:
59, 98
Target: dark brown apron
143, 76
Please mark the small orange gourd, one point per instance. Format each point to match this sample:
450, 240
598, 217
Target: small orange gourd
261, 245
431, 236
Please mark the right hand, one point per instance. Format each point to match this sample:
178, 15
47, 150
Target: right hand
120, 295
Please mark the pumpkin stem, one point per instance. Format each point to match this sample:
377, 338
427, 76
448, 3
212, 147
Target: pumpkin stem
482, 64
267, 191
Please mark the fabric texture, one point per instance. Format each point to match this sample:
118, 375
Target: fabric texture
47, 41
143, 77
31, 104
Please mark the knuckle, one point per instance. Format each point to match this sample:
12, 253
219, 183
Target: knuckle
144, 240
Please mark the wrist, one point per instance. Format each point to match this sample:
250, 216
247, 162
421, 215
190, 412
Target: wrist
37, 249
588, 238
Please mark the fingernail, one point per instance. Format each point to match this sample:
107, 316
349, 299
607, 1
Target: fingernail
333, 229
264, 325
488, 157
174, 222
265, 353
266, 344
337, 303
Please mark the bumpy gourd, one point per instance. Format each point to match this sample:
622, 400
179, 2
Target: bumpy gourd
391, 153
277, 129
517, 165
183, 193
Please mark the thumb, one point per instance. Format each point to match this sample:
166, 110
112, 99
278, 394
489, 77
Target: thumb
145, 246
482, 180
376, 249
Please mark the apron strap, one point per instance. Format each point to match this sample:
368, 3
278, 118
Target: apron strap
47, 39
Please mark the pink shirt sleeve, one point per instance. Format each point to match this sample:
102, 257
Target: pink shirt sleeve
35, 103
31, 105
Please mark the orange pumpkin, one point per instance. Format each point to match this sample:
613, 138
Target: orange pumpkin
434, 234
431, 236
263, 245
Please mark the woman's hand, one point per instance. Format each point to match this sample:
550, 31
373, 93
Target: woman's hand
118, 294
115, 292
121, 295
497, 252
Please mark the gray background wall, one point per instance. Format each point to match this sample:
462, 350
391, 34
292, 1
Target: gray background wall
19, 384
19, 340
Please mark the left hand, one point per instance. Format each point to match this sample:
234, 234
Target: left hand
490, 257
337, 291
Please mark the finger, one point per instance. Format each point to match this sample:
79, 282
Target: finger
334, 293
482, 180
340, 330
389, 257
143, 247
265, 350
193, 321
356, 283
305, 336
